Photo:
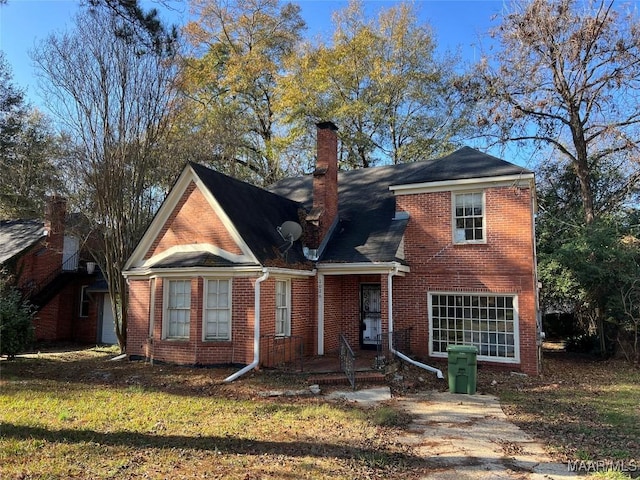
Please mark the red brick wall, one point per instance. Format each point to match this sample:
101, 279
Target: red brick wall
503, 265
193, 221
195, 351
303, 324
240, 349
303, 313
35, 266
138, 317
85, 329
325, 177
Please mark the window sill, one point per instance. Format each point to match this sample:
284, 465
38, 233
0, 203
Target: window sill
481, 358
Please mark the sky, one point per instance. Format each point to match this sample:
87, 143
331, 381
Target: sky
458, 26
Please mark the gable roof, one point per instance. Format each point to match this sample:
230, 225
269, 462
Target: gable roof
251, 216
256, 214
367, 230
18, 235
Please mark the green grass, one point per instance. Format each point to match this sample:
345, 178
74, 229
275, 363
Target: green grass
75, 415
95, 419
583, 409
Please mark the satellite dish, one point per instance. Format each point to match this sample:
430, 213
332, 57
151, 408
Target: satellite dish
290, 231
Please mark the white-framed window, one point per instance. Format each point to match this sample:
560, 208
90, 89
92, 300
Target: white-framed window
283, 307
216, 309
488, 321
177, 314
469, 223
84, 301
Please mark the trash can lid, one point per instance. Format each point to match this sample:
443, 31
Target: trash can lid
462, 349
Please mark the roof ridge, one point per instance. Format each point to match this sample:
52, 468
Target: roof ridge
244, 183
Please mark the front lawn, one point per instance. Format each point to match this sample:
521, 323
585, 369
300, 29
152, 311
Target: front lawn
581, 408
80, 416
77, 415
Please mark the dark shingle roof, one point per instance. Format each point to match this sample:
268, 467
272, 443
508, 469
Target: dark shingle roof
18, 235
462, 164
366, 231
193, 259
256, 213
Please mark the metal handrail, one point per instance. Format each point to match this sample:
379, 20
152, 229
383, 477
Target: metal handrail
401, 341
36, 288
347, 361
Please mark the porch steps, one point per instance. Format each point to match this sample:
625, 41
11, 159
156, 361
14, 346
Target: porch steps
341, 379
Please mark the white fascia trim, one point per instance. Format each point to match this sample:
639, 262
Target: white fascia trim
230, 271
520, 180
233, 271
289, 272
187, 176
162, 215
230, 227
198, 247
361, 268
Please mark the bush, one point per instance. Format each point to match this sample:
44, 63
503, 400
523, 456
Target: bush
584, 343
16, 322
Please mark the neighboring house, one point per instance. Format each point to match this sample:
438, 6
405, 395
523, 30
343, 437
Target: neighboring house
51, 272
441, 248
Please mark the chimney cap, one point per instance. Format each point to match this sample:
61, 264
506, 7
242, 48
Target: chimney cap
327, 125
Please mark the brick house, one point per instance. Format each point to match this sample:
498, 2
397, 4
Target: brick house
48, 266
443, 249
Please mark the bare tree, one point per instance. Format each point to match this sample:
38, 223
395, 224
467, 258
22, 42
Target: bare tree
112, 94
567, 76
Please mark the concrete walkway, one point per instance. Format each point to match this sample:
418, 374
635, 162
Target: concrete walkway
465, 437
470, 437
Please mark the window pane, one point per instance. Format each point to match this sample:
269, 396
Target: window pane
283, 315
217, 315
469, 216
178, 308
490, 329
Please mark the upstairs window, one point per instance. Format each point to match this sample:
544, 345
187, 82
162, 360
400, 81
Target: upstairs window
468, 217
177, 318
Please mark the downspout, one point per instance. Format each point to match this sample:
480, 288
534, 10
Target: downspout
320, 313
392, 273
256, 330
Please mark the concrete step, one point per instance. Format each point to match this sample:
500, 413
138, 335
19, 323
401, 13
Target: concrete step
341, 379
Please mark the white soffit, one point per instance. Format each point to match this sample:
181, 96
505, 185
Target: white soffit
520, 180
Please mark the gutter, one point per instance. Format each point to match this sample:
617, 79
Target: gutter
256, 331
437, 371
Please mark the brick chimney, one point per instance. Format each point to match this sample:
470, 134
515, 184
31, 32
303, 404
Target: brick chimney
54, 220
325, 183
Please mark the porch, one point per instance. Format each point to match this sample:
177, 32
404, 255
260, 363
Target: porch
344, 366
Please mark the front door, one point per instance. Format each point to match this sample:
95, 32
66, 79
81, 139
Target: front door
370, 315
108, 328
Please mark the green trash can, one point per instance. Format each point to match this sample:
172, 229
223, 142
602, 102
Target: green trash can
462, 368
